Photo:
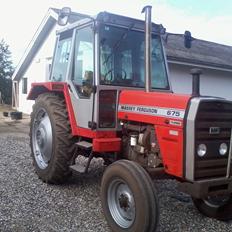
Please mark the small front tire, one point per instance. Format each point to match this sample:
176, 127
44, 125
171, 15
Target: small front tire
129, 199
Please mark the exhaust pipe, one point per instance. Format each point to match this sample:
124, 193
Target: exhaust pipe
196, 81
147, 52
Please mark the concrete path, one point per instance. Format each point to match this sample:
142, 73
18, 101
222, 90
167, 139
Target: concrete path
19, 128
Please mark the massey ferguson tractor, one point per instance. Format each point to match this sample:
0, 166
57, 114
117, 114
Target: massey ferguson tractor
109, 97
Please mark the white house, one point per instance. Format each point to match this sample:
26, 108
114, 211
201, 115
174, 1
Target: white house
35, 64
214, 59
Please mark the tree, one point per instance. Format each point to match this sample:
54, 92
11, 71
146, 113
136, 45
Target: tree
6, 71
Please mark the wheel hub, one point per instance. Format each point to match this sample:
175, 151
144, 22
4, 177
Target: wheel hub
121, 203
124, 202
217, 201
42, 138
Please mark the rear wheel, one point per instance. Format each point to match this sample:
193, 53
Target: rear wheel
50, 137
129, 199
219, 207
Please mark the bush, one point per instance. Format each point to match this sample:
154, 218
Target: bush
6, 71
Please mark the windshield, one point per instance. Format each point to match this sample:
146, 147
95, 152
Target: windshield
122, 58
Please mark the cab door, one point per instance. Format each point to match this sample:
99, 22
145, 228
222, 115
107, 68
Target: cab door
81, 78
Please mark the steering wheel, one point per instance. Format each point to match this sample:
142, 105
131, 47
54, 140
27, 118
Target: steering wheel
110, 72
124, 74
111, 76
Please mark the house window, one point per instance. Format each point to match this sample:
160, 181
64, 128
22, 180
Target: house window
24, 85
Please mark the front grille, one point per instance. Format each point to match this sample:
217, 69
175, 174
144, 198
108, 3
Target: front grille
212, 127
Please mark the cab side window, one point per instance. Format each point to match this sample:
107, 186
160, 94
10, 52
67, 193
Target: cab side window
62, 55
83, 62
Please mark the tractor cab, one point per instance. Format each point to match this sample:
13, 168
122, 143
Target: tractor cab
99, 57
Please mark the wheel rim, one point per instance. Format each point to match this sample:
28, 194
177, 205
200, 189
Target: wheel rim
216, 201
121, 203
42, 138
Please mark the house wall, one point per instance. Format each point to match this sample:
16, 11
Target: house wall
212, 83
37, 72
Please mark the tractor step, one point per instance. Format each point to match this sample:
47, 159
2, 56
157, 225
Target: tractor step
78, 168
84, 145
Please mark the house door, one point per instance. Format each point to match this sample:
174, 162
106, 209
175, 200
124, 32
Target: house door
15, 95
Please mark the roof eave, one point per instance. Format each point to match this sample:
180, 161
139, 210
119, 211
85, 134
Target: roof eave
191, 62
46, 26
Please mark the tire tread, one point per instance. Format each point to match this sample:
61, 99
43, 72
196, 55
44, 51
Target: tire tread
64, 141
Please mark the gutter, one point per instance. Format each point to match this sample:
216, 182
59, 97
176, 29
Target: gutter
197, 63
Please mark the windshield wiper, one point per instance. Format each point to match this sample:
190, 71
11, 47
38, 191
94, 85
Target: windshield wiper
117, 44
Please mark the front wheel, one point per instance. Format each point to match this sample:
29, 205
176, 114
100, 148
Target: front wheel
218, 207
129, 199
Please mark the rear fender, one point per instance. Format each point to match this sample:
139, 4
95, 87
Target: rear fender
63, 88
55, 87
44, 87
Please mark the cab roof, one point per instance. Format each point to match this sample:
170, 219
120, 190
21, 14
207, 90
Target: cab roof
115, 19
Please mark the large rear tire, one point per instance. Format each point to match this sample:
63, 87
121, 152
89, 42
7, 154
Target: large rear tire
218, 207
129, 199
50, 138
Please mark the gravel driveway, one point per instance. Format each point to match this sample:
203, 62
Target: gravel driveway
28, 204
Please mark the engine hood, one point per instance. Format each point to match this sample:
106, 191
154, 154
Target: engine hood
153, 107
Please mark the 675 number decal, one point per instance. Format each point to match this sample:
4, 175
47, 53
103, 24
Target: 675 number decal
173, 113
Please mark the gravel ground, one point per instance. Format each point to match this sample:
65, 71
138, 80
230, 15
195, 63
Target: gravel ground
28, 204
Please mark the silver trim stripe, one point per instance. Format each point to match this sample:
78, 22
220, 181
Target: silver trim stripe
229, 158
152, 110
190, 139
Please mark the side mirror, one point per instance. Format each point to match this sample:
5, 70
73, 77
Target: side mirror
64, 16
188, 39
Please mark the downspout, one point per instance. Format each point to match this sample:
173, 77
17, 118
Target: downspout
147, 50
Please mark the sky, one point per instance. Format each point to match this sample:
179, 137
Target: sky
206, 19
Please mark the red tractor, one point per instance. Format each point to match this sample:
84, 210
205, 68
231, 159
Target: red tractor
109, 97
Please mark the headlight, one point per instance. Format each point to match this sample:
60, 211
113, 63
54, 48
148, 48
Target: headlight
201, 150
223, 149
